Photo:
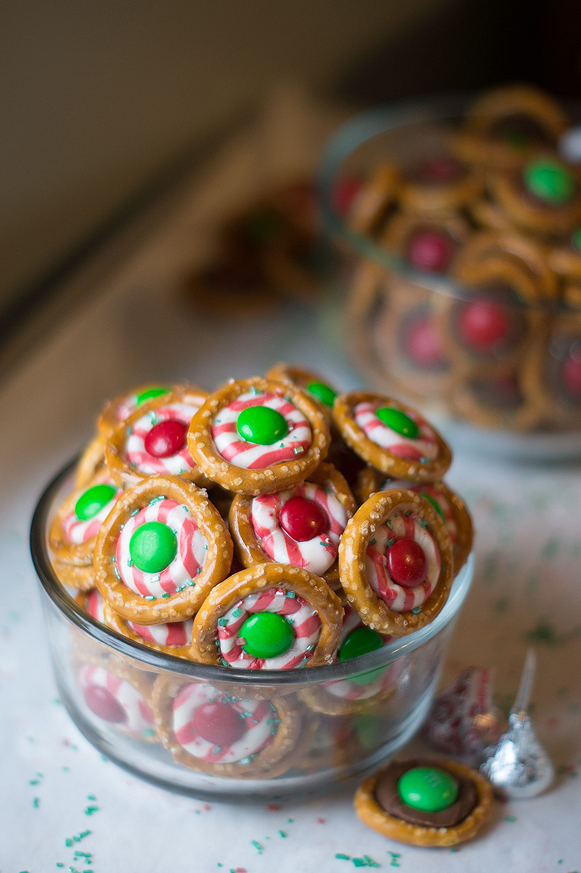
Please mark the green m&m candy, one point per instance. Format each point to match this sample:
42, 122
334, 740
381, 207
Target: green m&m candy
152, 547
262, 425
549, 180
576, 239
93, 500
322, 392
428, 788
150, 393
398, 421
267, 635
359, 642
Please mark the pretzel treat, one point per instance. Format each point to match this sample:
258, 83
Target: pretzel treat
119, 695
503, 398
173, 638
71, 576
300, 526
152, 440
449, 506
161, 551
256, 436
395, 562
268, 617
424, 802
92, 602
553, 372
359, 693
122, 406
391, 436
215, 732
439, 183
309, 381
73, 533
427, 244
91, 461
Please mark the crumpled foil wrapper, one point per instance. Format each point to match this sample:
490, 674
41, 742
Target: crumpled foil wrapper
463, 720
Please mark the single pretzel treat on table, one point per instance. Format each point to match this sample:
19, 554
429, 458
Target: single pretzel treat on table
152, 439
391, 436
173, 638
395, 562
74, 530
216, 732
161, 551
256, 436
300, 526
268, 617
425, 802
449, 506
508, 125
118, 694
122, 406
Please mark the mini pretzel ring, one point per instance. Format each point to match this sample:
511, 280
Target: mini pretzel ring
161, 551
256, 436
122, 406
289, 618
395, 562
391, 436
172, 638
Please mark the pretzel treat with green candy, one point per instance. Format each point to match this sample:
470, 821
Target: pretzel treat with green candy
161, 551
395, 562
268, 617
256, 436
391, 436
122, 406
152, 439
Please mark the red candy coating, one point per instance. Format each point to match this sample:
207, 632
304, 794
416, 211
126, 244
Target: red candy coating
422, 343
302, 519
218, 723
484, 324
406, 562
430, 249
103, 703
440, 169
166, 438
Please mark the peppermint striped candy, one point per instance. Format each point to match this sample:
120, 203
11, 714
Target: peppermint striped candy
175, 633
139, 718
425, 446
139, 458
252, 456
95, 605
189, 560
316, 554
304, 619
78, 530
397, 597
260, 722
433, 491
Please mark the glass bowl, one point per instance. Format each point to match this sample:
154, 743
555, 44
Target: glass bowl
313, 728
400, 325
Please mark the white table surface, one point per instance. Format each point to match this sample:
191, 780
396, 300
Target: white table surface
54, 786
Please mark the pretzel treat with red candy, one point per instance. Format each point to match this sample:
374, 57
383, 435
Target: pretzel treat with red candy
395, 562
161, 551
152, 440
215, 732
391, 436
256, 436
300, 526
268, 617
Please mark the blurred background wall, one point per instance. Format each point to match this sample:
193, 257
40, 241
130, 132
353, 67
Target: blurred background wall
97, 96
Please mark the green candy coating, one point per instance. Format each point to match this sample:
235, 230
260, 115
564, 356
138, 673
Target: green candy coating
267, 635
428, 788
152, 547
262, 425
93, 500
150, 393
398, 421
576, 238
359, 642
435, 504
322, 392
549, 180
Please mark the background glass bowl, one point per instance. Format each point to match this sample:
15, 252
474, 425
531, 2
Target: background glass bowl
343, 720
379, 295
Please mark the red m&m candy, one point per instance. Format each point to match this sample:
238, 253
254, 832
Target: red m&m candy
406, 562
166, 438
302, 519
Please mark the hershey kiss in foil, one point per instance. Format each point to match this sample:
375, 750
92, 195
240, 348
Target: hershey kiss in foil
518, 765
463, 721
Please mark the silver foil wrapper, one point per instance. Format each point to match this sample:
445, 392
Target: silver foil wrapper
518, 765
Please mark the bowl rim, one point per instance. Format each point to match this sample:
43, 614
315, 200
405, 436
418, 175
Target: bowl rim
374, 122
160, 661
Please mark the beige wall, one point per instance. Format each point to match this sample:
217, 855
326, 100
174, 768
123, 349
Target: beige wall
97, 95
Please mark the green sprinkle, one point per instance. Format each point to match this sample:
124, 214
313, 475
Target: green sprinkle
36, 802
283, 833
149, 597
91, 809
416, 609
343, 857
60, 864
165, 596
510, 818
257, 846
